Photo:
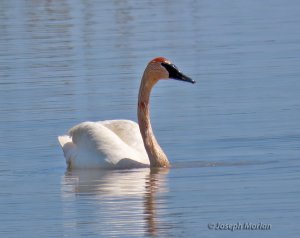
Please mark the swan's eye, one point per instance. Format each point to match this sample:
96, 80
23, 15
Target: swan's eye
172, 69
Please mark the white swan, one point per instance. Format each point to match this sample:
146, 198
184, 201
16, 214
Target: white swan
122, 143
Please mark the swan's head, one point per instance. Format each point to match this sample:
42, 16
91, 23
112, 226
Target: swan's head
162, 68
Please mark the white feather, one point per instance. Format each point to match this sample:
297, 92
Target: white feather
104, 144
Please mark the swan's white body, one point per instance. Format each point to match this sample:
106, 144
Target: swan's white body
122, 143
105, 144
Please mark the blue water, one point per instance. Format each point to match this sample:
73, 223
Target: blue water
232, 138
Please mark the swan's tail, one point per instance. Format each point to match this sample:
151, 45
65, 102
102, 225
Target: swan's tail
64, 140
69, 148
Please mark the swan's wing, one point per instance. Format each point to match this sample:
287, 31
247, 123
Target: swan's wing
99, 146
128, 131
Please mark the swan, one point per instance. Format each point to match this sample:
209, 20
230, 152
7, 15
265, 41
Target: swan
122, 144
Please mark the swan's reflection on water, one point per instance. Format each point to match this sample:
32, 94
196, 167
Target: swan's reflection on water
115, 203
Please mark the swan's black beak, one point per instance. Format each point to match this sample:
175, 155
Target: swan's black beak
182, 77
174, 73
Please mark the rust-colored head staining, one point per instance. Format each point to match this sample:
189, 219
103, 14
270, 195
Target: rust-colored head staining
160, 60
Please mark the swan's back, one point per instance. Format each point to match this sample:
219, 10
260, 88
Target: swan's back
105, 144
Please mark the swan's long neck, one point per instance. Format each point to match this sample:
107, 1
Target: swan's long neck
155, 153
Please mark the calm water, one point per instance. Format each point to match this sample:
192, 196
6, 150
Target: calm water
232, 138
